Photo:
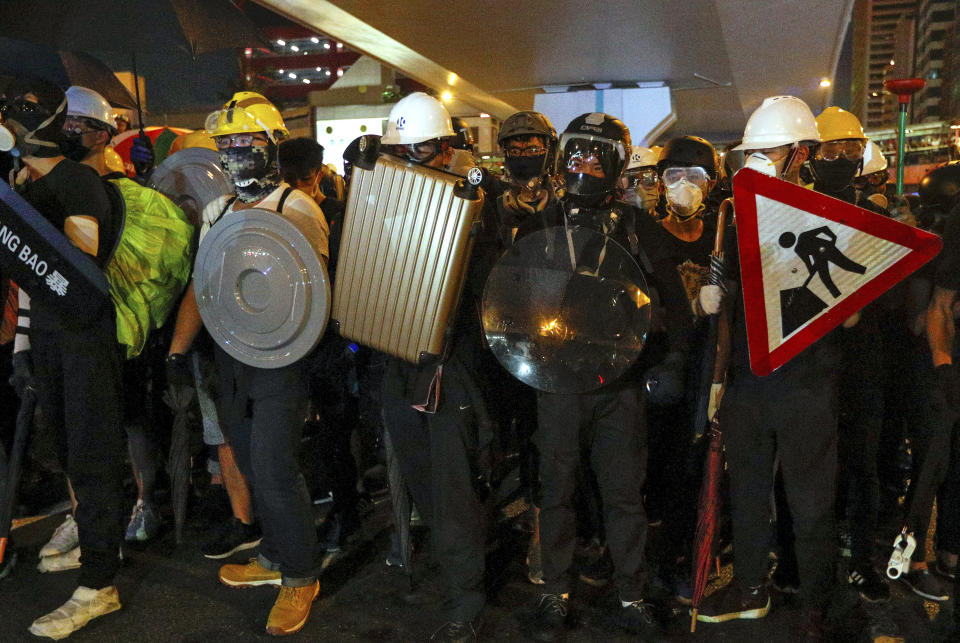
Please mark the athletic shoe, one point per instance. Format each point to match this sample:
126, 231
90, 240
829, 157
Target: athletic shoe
599, 572
735, 602
922, 583
85, 605
231, 537
64, 538
636, 617
144, 523
292, 609
456, 632
253, 574
785, 582
60, 562
550, 618
865, 579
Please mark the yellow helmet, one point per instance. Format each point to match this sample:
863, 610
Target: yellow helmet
835, 124
196, 138
112, 160
247, 112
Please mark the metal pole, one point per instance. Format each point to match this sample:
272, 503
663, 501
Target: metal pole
901, 136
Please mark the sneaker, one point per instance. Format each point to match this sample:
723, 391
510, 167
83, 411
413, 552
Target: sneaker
785, 582
144, 523
733, 602
292, 608
922, 583
231, 537
253, 574
85, 605
456, 632
550, 617
599, 572
636, 617
865, 579
60, 562
64, 538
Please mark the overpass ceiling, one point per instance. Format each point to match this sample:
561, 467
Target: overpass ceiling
507, 49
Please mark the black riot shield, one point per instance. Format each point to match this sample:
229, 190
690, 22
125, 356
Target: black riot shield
44, 262
566, 310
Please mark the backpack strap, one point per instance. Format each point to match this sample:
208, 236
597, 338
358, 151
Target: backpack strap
283, 198
226, 206
119, 206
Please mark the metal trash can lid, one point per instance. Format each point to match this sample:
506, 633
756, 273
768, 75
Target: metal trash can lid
192, 178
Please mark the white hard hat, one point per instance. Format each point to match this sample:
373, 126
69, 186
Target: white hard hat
641, 156
415, 119
89, 104
873, 160
780, 120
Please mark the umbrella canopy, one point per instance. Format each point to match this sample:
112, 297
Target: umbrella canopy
195, 26
63, 68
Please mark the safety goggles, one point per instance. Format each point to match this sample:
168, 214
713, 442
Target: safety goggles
79, 125
875, 179
643, 178
696, 175
418, 152
850, 149
533, 150
238, 140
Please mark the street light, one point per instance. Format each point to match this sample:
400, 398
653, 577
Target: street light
825, 82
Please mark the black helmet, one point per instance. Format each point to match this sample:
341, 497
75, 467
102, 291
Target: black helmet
462, 138
527, 124
34, 112
689, 151
599, 135
940, 188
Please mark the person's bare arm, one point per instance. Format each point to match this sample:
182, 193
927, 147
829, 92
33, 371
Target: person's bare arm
84, 232
187, 325
940, 325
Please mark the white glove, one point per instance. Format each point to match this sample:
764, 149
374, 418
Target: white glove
716, 393
710, 299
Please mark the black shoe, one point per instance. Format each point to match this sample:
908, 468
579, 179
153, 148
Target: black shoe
637, 617
232, 537
922, 583
734, 602
599, 572
785, 582
550, 619
456, 632
865, 579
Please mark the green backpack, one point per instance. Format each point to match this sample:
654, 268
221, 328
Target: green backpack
150, 265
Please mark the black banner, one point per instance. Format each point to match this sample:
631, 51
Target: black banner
44, 262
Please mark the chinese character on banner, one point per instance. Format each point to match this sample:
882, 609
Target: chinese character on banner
57, 283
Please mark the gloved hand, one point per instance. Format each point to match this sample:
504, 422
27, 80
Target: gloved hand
141, 155
22, 377
178, 370
716, 393
949, 383
711, 297
664, 382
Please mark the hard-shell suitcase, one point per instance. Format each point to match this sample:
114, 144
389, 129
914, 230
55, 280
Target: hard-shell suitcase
407, 235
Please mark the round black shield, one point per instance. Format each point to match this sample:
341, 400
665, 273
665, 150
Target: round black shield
566, 310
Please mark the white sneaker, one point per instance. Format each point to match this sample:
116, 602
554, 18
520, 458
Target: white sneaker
60, 562
63, 540
85, 605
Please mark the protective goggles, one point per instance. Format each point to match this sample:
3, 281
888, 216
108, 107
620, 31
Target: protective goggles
239, 140
212, 124
418, 152
850, 149
696, 175
874, 178
643, 178
82, 125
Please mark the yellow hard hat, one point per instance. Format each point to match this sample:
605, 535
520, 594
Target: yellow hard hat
247, 112
196, 138
656, 149
112, 160
836, 124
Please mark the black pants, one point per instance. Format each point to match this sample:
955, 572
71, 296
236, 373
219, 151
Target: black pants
263, 411
438, 456
760, 420
611, 426
78, 377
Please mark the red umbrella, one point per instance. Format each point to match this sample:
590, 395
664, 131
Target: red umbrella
708, 513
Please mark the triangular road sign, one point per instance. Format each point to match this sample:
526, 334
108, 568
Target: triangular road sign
809, 261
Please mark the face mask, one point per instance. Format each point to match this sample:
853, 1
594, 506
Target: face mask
253, 170
71, 145
832, 177
684, 198
525, 168
764, 165
643, 198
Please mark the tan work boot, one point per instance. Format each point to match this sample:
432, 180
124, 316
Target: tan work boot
292, 609
253, 574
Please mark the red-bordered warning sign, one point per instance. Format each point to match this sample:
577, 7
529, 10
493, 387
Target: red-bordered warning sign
809, 261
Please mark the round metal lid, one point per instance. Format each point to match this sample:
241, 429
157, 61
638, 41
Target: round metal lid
262, 290
192, 178
566, 310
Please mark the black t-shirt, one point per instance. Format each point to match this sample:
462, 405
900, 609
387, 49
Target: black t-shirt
72, 189
948, 263
693, 257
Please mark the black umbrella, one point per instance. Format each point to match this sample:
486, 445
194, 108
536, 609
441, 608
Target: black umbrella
178, 398
63, 68
400, 500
